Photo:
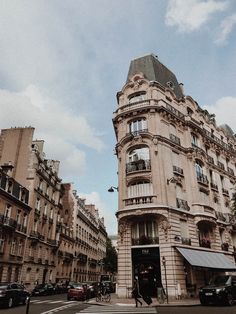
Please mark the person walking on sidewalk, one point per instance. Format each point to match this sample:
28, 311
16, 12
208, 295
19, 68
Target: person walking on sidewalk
135, 293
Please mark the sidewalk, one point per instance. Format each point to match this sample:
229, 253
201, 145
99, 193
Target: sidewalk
130, 302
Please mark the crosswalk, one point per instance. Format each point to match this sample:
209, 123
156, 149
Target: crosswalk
117, 309
38, 301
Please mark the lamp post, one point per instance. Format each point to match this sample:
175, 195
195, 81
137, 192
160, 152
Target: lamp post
164, 265
112, 188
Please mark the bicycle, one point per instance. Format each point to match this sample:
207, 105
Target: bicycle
161, 295
103, 296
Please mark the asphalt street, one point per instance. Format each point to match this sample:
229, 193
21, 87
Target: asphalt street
59, 304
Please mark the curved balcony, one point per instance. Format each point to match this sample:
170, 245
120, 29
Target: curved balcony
144, 240
139, 165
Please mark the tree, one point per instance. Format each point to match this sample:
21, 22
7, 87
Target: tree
110, 261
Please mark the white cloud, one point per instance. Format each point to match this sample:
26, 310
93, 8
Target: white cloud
226, 27
107, 213
223, 109
62, 131
190, 15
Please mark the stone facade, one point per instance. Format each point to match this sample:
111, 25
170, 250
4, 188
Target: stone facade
176, 172
39, 217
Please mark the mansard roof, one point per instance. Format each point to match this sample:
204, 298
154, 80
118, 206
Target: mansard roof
154, 70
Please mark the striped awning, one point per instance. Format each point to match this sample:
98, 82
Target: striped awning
207, 259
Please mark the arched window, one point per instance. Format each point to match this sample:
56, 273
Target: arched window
138, 159
140, 96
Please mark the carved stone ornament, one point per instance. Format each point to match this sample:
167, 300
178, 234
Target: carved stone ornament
137, 140
165, 226
121, 230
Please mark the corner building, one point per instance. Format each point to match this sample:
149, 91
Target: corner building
176, 174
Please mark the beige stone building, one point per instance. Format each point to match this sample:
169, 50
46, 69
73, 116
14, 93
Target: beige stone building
46, 232
176, 172
88, 233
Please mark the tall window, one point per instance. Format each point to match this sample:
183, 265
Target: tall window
195, 141
144, 228
199, 169
140, 188
8, 211
13, 247
2, 241
138, 125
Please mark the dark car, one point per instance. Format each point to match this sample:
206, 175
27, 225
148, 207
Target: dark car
92, 287
43, 289
221, 289
12, 294
60, 288
77, 291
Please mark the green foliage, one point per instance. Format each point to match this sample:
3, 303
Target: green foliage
110, 261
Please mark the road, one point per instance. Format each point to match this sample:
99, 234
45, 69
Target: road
59, 304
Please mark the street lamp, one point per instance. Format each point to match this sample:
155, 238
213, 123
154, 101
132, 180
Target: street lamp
112, 188
164, 265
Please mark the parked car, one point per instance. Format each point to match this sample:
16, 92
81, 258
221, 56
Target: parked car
43, 289
77, 291
12, 294
60, 288
221, 289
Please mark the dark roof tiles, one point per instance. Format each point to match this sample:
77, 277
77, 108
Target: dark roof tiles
154, 70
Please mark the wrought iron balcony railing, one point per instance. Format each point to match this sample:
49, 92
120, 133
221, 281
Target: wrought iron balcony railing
142, 240
139, 165
178, 170
175, 139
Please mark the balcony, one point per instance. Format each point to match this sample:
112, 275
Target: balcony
214, 186
230, 171
220, 165
178, 170
175, 139
139, 200
139, 165
205, 243
143, 240
21, 228
210, 160
135, 133
8, 222
37, 212
202, 178
225, 192
182, 204
174, 111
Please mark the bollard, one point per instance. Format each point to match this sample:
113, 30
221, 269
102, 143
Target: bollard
27, 305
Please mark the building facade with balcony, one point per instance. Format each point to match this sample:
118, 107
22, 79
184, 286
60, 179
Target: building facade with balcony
14, 215
88, 233
176, 174
47, 234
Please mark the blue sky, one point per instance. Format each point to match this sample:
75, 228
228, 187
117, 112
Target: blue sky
62, 63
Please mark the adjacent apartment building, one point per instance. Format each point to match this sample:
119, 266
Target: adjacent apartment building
47, 233
176, 176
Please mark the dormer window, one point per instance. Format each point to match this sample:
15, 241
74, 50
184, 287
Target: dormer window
170, 84
137, 97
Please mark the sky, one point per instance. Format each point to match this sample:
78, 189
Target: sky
62, 63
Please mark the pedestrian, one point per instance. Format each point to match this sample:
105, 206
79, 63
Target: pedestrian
135, 293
